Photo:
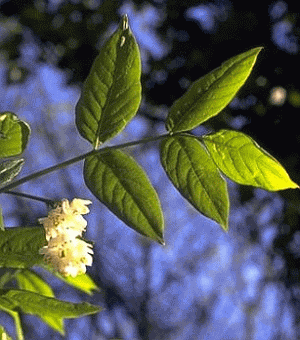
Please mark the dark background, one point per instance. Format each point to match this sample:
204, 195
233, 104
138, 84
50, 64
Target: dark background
180, 41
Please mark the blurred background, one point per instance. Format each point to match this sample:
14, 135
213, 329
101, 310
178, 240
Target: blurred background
204, 284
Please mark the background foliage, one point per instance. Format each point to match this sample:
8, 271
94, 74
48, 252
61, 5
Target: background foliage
187, 287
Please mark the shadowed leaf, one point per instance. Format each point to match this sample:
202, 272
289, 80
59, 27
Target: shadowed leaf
122, 185
19, 247
195, 175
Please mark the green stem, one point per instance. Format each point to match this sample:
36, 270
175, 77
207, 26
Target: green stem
76, 159
43, 172
16, 317
19, 329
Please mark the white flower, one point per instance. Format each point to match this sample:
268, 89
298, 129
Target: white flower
65, 252
66, 218
77, 206
68, 256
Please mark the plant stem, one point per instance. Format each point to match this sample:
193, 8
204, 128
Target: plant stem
44, 172
19, 329
37, 198
76, 159
16, 317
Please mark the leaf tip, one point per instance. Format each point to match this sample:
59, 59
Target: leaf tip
259, 49
124, 22
256, 50
225, 228
159, 239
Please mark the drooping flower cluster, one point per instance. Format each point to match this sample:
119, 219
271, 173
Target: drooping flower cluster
65, 252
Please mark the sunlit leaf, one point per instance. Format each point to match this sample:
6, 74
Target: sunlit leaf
40, 305
122, 185
210, 94
31, 281
3, 334
241, 159
81, 282
14, 134
10, 169
19, 247
195, 175
112, 91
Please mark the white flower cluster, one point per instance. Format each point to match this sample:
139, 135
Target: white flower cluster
65, 252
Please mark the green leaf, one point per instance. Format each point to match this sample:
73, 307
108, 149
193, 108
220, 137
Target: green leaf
122, 185
3, 334
19, 247
195, 175
210, 94
112, 91
14, 134
31, 281
6, 278
81, 282
43, 306
10, 169
241, 159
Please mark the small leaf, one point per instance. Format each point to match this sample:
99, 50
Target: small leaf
195, 175
19, 247
14, 135
241, 159
210, 94
10, 169
112, 91
81, 282
3, 334
122, 185
31, 281
42, 306
6, 278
